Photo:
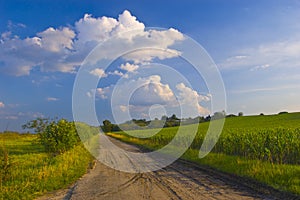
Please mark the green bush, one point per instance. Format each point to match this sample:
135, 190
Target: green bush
56, 136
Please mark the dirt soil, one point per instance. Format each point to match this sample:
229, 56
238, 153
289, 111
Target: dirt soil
180, 180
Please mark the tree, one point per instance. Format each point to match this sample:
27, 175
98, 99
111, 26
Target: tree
208, 118
230, 115
283, 112
107, 126
173, 117
219, 115
56, 136
115, 128
140, 122
38, 125
199, 119
164, 118
241, 114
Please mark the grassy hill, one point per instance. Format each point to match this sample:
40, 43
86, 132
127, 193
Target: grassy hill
287, 120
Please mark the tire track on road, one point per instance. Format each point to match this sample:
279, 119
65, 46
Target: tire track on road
181, 180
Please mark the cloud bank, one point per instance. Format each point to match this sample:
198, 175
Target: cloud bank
137, 96
63, 49
276, 54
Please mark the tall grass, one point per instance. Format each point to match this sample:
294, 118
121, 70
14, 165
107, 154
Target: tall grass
34, 172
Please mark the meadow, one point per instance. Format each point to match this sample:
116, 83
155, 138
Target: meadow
28, 171
265, 148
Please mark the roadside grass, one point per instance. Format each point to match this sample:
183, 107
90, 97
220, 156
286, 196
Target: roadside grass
280, 176
32, 172
263, 148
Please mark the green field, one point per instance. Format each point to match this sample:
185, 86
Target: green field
264, 148
27, 171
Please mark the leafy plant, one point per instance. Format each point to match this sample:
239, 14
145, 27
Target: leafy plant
56, 136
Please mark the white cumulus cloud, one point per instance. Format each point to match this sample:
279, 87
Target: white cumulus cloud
103, 93
129, 67
63, 49
138, 96
152, 91
190, 101
48, 50
94, 29
117, 73
98, 72
123, 108
55, 40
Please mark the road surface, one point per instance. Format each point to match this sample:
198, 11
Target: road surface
181, 180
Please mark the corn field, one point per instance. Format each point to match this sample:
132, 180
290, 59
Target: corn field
279, 145
276, 145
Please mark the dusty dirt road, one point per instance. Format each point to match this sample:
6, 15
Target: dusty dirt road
181, 180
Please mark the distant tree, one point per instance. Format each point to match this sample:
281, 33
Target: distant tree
174, 117
115, 128
107, 126
283, 112
173, 120
219, 115
208, 118
241, 114
261, 114
199, 119
230, 115
164, 118
141, 122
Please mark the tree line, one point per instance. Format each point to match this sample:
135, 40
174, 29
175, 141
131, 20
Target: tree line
165, 121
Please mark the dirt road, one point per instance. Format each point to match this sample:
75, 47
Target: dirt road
181, 180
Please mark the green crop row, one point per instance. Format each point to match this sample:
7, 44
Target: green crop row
278, 145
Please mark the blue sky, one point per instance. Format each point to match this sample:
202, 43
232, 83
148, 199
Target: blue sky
256, 47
